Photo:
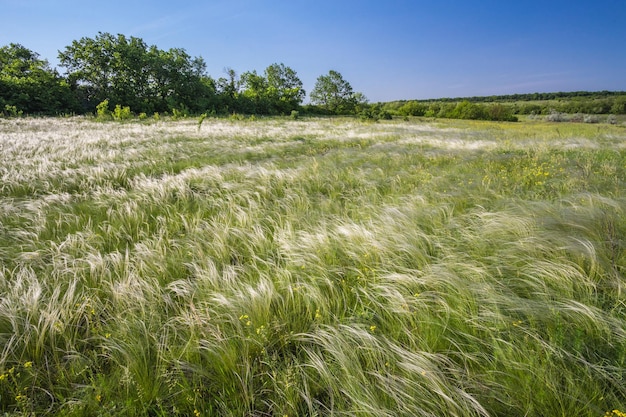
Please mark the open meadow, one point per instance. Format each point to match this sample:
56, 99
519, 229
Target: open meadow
315, 267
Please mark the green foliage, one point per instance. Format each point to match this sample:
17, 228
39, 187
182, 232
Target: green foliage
412, 108
11, 111
29, 84
201, 119
102, 110
278, 91
236, 117
129, 72
122, 113
333, 93
374, 113
464, 110
181, 113
295, 115
506, 107
284, 89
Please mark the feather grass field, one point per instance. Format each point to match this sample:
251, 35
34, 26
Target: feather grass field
322, 267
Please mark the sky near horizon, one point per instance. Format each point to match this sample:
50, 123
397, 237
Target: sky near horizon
388, 50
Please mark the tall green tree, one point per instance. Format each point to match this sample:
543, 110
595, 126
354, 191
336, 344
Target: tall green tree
284, 88
179, 80
254, 97
128, 72
333, 93
277, 91
227, 90
30, 85
92, 68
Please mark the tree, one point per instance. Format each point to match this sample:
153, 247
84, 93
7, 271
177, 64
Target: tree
284, 88
228, 91
128, 72
179, 80
254, 97
412, 108
91, 67
278, 91
333, 93
30, 85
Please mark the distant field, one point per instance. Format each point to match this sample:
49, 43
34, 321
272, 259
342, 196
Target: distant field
322, 267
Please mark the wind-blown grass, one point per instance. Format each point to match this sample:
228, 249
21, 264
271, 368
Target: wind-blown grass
316, 267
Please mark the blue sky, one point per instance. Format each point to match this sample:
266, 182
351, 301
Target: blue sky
387, 49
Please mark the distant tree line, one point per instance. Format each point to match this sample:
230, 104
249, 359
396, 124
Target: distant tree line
123, 75
506, 107
113, 71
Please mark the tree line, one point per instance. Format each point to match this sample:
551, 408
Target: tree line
506, 107
124, 72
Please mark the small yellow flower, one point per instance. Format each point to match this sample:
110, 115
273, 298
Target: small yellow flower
98, 397
372, 328
28, 364
196, 413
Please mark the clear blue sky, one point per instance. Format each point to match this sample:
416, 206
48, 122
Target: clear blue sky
387, 49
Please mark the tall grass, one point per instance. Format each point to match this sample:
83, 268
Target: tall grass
312, 267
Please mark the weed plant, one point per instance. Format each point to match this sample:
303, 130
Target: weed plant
312, 268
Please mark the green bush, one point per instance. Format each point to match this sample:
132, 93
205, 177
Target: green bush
11, 111
122, 113
102, 110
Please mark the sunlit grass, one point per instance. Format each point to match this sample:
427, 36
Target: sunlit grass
312, 267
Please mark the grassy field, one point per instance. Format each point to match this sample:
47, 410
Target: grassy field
322, 267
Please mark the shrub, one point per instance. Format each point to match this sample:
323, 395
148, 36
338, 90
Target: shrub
180, 112
385, 115
122, 113
413, 108
295, 114
499, 112
555, 116
201, 119
102, 110
12, 111
237, 117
